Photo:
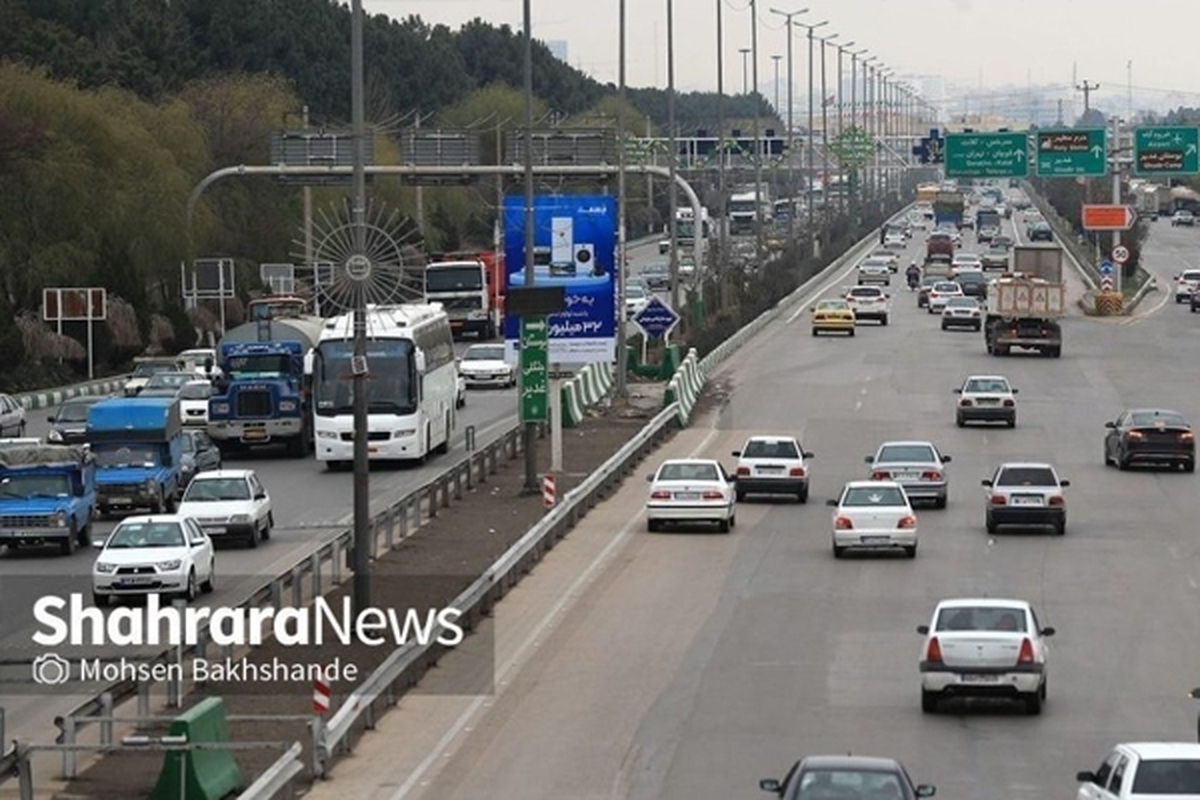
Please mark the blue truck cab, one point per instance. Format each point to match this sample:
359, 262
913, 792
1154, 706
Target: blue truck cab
47, 495
138, 446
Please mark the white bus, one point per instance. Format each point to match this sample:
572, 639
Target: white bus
412, 385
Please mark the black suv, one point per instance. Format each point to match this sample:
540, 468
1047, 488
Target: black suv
1041, 232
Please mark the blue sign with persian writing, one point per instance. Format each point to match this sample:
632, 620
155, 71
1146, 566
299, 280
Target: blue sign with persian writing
574, 246
656, 318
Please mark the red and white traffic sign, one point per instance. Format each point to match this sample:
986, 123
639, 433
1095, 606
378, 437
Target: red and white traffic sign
1120, 254
549, 491
1106, 284
321, 694
1108, 218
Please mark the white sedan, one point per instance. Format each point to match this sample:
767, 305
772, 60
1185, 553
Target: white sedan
691, 490
230, 504
772, 465
986, 398
984, 647
485, 365
167, 554
941, 292
873, 515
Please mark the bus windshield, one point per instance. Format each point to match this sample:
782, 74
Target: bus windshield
391, 388
264, 366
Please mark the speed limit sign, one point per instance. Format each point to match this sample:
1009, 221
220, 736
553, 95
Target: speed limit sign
1120, 254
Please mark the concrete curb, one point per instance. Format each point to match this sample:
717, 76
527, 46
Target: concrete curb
51, 398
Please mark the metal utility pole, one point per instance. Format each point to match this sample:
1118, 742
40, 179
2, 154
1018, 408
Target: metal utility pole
825, 124
1119, 269
812, 230
722, 237
358, 267
1087, 89
531, 477
758, 149
775, 59
791, 128
745, 51
622, 230
673, 156
841, 123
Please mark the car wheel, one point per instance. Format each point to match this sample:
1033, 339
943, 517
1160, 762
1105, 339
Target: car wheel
652, 525
1189, 466
733, 520
67, 546
741, 495
1122, 464
883, 320
252, 539
1060, 527
960, 421
1012, 422
724, 525
838, 552
910, 552
990, 524
945, 327
852, 331
802, 495
929, 702
1033, 703
940, 502
100, 600
815, 332
190, 593
270, 525
211, 583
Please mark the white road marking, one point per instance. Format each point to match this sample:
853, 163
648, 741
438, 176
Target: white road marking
442, 748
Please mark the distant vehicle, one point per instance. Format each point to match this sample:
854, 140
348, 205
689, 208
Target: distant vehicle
962, 312
68, 423
847, 777
1026, 495
996, 256
146, 367
772, 465
870, 302
917, 466
166, 384
831, 316
1186, 283
1041, 232
875, 270
166, 554
200, 454
873, 515
986, 398
923, 290
485, 365
470, 286
691, 490
47, 495
940, 293
636, 298
890, 256
193, 402
12, 416
230, 504
973, 284
1184, 218
895, 240
1144, 771
984, 647
965, 262
1150, 436
656, 276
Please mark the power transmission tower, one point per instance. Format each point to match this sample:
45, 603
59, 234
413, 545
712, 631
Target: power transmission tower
1087, 89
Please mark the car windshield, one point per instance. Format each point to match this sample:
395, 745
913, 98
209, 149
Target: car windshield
215, 490
687, 472
1026, 476
904, 453
859, 496
196, 391
487, 353
875, 262
634, 291
986, 386
981, 618
1150, 419
1190, 276
17, 485
865, 291
946, 287
73, 412
832, 305
146, 370
835, 784
145, 534
766, 448
1167, 776
125, 455
169, 380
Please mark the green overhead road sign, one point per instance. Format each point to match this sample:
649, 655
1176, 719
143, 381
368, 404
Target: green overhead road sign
1170, 150
853, 146
987, 155
1071, 152
534, 369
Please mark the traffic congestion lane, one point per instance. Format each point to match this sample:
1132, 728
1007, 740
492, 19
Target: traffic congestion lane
798, 653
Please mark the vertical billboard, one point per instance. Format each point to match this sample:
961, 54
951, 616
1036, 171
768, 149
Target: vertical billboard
574, 246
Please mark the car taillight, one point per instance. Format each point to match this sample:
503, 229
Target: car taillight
878, 475
998, 500
965, 402
931, 475
660, 495
1058, 500
743, 471
933, 651
907, 522
1026, 654
843, 524
712, 494
796, 472
1009, 404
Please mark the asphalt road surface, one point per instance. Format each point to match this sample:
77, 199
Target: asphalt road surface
690, 664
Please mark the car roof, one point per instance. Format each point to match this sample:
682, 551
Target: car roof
85, 400
668, 461
1003, 602
906, 443
148, 518
1152, 411
1157, 750
772, 438
849, 762
870, 484
1020, 464
985, 378
215, 474
484, 346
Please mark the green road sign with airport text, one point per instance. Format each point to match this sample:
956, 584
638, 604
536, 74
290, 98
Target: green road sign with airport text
1166, 151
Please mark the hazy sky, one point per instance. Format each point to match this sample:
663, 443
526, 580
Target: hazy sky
970, 43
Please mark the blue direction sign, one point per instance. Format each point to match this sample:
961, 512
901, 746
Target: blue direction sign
1106, 268
931, 149
656, 318
1174, 150
987, 155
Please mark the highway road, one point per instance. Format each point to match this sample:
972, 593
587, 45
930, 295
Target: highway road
310, 505
689, 664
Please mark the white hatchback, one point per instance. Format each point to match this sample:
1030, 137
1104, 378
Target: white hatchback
772, 465
870, 302
193, 402
873, 515
984, 647
939, 293
166, 554
1144, 771
875, 270
230, 504
1186, 282
691, 490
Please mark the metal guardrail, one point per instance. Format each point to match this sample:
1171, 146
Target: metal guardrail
276, 777
1067, 239
492, 584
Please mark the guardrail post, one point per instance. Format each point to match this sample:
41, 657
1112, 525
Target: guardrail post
297, 588
277, 594
445, 481
143, 698
314, 567
316, 728
469, 438
335, 559
106, 723
2, 739
68, 756
432, 497
202, 643
458, 484
24, 773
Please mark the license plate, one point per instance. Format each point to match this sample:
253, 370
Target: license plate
1019, 500
771, 470
687, 495
876, 539
119, 501
979, 678
215, 531
135, 581
987, 401
254, 435
905, 476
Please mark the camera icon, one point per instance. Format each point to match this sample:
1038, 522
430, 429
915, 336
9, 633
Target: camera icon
51, 669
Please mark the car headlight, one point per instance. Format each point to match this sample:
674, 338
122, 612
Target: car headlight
327, 434
60, 519
149, 486
404, 433
105, 567
54, 436
170, 565
240, 519
220, 408
287, 405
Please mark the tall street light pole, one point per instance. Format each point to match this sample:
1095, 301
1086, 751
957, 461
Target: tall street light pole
776, 59
812, 231
791, 128
673, 158
622, 208
530, 433
745, 51
825, 124
721, 239
841, 120
758, 149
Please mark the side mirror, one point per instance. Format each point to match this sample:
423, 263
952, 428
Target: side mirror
99, 543
1047, 631
649, 478
50, 419
986, 482
1112, 425
956, 391
260, 496
812, 308
737, 453
770, 785
923, 630
197, 543
926, 790
947, 459
1195, 695
1064, 483
1085, 777
869, 460
831, 502
1016, 391
809, 454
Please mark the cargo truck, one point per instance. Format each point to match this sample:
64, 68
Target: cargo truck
138, 446
470, 286
47, 495
263, 394
1024, 312
948, 209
